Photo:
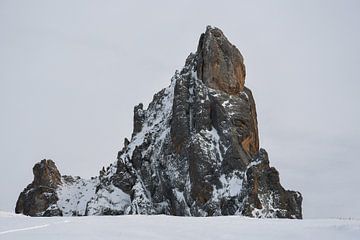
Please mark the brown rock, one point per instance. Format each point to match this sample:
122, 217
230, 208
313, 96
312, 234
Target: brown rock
38, 196
46, 174
220, 64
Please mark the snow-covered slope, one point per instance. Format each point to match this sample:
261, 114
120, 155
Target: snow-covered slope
142, 227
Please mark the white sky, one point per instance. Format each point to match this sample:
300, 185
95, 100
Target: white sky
71, 72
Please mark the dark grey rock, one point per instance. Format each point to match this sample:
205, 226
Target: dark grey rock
138, 118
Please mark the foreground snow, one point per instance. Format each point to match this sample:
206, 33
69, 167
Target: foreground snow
168, 227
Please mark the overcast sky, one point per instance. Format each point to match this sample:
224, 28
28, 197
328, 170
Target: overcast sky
71, 72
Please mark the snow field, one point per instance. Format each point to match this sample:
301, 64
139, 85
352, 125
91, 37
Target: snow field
136, 227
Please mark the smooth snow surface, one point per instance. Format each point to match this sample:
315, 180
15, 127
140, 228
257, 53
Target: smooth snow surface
142, 227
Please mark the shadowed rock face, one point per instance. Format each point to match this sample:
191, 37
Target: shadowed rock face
194, 152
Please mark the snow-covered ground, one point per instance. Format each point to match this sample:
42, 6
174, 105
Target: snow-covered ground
17, 227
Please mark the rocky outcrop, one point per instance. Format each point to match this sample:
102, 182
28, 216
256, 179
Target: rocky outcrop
220, 64
266, 196
38, 196
194, 152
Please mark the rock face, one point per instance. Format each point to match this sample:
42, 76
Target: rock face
220, 64
38, 196
194, 152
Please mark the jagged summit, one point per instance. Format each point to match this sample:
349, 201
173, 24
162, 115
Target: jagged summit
220, 64
193, 152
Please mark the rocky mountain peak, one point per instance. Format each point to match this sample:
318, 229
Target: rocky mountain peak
220, 64
193, 152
